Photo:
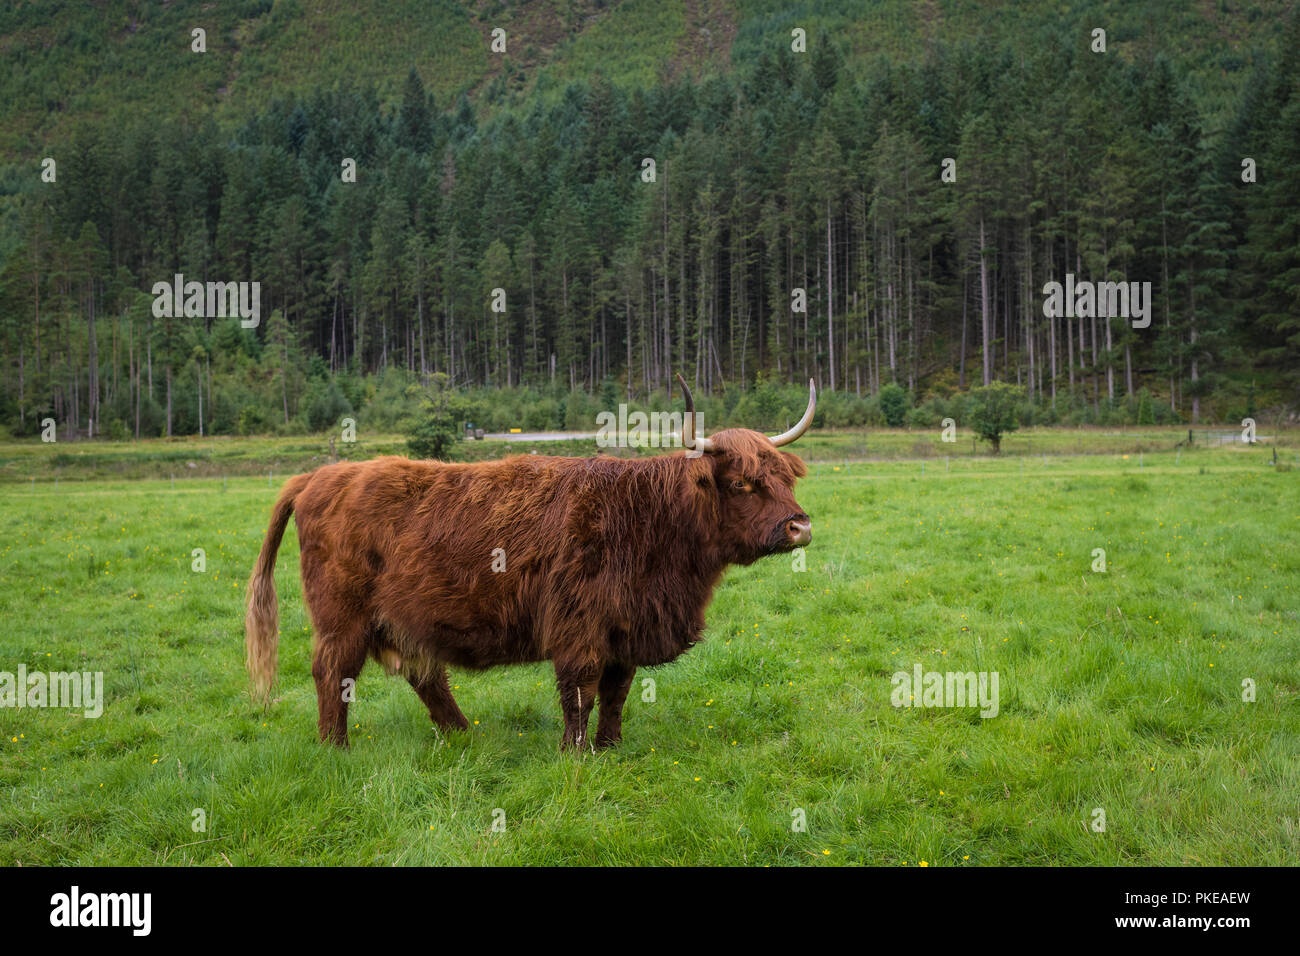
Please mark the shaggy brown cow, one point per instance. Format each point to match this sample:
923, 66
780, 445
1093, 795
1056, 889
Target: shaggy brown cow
600, 565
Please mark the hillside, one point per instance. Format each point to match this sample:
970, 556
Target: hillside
634, 189
73, 61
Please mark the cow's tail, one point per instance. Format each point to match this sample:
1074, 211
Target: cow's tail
261, 623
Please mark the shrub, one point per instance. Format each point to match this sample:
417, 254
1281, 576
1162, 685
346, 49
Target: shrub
438, 434
893, 404
251, 421
995, 411
327, 407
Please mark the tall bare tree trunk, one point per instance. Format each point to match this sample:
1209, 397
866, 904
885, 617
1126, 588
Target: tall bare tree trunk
985, 309
830, 295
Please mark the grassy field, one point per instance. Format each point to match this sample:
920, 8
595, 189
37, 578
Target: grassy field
183, 458
1119, 690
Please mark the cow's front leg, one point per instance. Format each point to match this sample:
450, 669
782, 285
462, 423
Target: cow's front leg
614, 684
578, 684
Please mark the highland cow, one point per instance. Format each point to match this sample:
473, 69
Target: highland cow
599, 565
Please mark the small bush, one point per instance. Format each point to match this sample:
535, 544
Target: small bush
438, 434
327, 407
893, 405
995, 410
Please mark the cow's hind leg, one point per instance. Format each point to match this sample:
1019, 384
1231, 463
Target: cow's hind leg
336, 660
578, 684
614, 684
338, 655
435, 691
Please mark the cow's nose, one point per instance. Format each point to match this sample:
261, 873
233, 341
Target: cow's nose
799, 530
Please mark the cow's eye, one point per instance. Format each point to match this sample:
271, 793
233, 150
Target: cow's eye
739, 486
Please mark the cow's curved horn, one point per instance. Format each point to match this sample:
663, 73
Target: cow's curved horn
689, 439
802, 424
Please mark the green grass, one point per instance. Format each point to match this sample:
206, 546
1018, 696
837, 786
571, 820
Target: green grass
1119, 690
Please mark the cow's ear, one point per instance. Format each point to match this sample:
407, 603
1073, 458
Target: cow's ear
796, 464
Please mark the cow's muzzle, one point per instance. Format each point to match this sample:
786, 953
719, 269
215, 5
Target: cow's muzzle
798, 530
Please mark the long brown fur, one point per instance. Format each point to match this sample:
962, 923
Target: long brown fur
609, 565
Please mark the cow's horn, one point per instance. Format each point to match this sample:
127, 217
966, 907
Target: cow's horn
689, 440
802, 424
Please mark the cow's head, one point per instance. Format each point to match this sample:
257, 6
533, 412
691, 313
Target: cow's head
753, 482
